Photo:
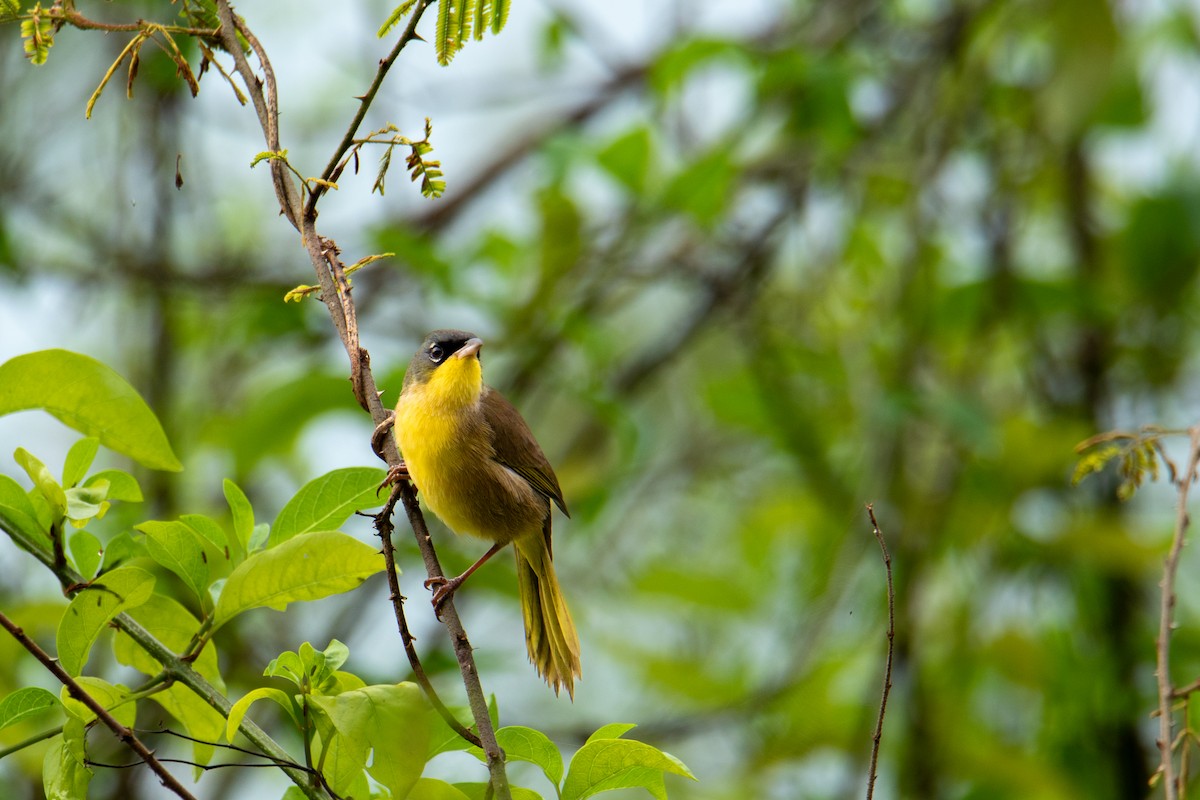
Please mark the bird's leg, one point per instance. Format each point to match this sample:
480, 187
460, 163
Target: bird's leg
448, 586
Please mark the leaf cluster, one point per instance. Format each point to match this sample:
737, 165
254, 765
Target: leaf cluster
359, 740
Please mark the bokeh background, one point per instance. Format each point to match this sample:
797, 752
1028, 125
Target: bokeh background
745, 267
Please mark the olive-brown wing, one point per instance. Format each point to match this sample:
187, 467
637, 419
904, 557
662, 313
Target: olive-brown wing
516, 448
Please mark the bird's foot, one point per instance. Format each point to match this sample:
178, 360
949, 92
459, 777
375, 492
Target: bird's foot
445, 588
394, 475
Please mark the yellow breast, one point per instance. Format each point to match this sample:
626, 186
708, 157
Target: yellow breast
432, 422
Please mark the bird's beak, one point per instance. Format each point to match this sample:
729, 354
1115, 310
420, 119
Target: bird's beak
469, 349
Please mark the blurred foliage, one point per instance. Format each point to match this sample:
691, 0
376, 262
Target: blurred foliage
758, 269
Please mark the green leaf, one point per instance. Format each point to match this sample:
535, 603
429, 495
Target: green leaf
111, 696
392, 721
93, 608
89, 397
398, 13
702, 189
605, 764
121, 485
123, 547
172, 624
238, 712
324, 503
18, 514
304, 568
613, 730
65, 774
243, 517
87, 502
287, 666
43, 481
79, 460
527, 744
628, 157
445, 739
184, 552
432, 789
24, 703
445, 42
38, 34
85, 551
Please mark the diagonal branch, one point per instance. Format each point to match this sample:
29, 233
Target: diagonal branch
127, 736
365, 100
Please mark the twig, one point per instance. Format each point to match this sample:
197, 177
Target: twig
365, 100
891, 637
126, 735
1166, 692
383, 525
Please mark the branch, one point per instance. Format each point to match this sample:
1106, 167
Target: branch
126, 735
265, 106
383, 525
365, 100
891, 637
1166, 692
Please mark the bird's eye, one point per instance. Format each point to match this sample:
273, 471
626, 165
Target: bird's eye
436, 354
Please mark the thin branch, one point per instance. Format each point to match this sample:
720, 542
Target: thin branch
383, 525
265, 106
891, 639
1166, 692
126, 735
365, 101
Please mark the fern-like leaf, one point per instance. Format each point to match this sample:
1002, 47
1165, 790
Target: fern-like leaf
445, 43
38, 34
398, 13
483, 17
9, 9
466, 13
499, 15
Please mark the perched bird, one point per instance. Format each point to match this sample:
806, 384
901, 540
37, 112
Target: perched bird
476, 464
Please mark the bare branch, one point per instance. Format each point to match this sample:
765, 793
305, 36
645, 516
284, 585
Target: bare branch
891, 639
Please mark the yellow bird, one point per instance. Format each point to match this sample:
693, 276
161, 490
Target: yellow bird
476, 464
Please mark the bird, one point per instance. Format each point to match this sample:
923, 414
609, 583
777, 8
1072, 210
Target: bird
478, 467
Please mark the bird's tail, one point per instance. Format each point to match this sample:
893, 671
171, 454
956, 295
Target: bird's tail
549, 630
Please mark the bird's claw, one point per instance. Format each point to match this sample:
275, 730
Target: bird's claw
394, 475
443, 588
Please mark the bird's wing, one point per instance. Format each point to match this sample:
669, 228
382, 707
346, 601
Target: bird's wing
519, 451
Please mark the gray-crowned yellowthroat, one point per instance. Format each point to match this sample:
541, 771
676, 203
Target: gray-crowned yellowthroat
478, 467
